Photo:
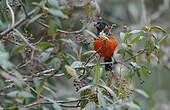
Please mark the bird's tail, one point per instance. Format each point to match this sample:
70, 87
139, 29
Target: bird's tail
108, 67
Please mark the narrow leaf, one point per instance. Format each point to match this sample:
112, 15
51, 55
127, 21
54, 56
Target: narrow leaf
135, 31
17, 50
57, 13
84, 88
71, 71
158, 28
102, 101
122, 35
141, 92
109, 90
91, 33
133, 105
97, 73
135, 39
127, 36
54, 3
33, 19
43, 45
90, 106
162, 39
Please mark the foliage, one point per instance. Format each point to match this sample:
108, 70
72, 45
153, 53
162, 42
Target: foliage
41, 61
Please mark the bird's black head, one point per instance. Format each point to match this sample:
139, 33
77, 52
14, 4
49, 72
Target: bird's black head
100, 26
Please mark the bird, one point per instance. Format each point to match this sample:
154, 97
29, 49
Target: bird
105, 43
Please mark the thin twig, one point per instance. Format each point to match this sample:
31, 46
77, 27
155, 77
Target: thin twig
26, 41
88, 60
62, 105
63, 31
12, 13
18, 23
31, 78
140, 52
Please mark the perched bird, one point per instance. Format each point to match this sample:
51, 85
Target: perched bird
105, 44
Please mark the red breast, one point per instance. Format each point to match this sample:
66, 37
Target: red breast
105, 47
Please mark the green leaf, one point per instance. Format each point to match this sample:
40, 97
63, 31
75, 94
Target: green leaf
2, 49
135, 31
145, 71
71, 71
40, 4
2, 84
57, 13
133, 105
122, 35
131, 74
84, 88
88, 9
20, 93
162, 39
76, 64
2, 26
149, 45
124, 46
54, 3
55, 104
52, 28
71, 44
101, 99
44, 56
90, 106
56, 63
40, 85
158, 28
127, 36
109, 90
44, 45
141, 92
89, 52
4, 56
121, 51
26, 94
97, 73
90, 33
17, 50
58, 22
135, 39
34, 18
21, 108
13, 93
129, 52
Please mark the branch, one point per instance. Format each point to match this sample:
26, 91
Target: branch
26, 41
63, 31
11, 84
12, 12
62, 105
18, 23
140, 52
